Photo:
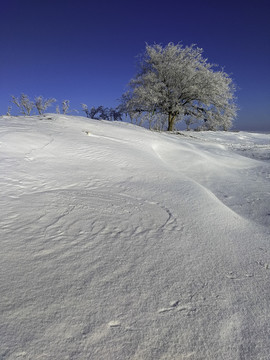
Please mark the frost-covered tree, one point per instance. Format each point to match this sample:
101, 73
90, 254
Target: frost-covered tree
42, 104
115, 114
102, 113
86, 110
65, 106
93, 112
177, 81
23, 103
9, 111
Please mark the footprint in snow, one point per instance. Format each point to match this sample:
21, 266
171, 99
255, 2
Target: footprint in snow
176, 306
263, 264
113, 324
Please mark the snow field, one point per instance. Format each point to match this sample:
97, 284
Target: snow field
121, 243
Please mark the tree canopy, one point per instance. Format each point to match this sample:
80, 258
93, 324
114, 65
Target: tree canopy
178, 82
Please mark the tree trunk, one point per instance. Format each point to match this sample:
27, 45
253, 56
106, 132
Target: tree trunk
171, 119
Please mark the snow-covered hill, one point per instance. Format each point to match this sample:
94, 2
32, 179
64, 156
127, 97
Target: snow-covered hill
122, 243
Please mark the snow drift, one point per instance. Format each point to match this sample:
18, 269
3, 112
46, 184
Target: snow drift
122, 243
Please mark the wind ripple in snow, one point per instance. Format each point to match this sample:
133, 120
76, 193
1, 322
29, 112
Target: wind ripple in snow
72, 246
66, 217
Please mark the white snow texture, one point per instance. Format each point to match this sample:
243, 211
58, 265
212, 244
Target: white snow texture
122, 243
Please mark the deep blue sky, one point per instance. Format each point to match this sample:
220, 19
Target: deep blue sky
85, 51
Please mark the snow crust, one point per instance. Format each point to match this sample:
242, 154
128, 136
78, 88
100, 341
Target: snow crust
122, 243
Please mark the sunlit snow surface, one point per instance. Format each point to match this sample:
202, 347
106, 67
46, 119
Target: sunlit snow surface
122, 243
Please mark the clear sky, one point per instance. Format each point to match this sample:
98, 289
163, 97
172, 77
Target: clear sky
85, 51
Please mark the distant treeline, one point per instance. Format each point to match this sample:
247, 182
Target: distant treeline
26, 106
